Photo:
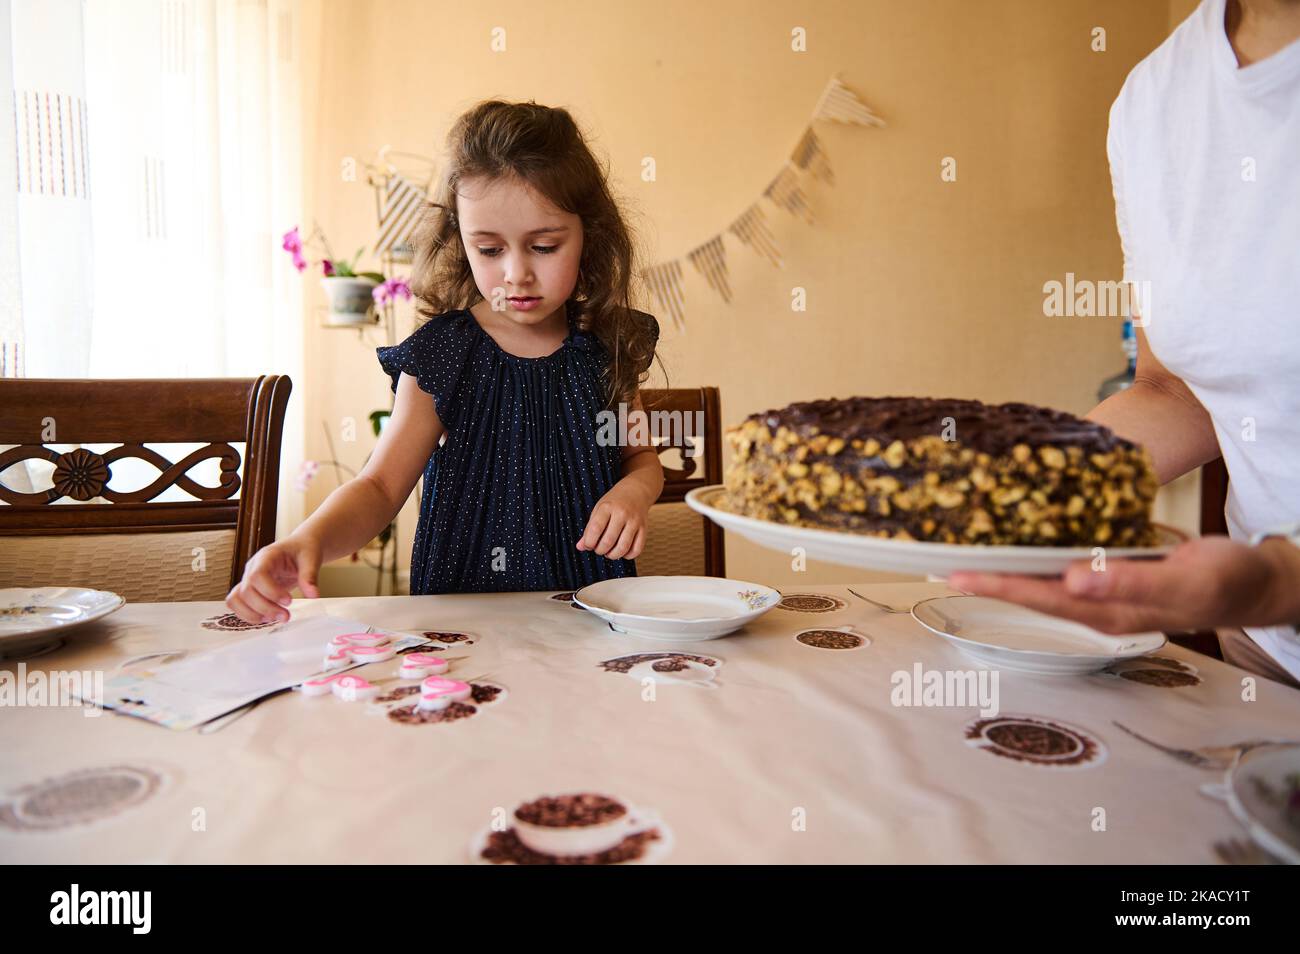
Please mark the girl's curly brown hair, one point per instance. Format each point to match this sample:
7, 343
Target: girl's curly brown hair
543, 147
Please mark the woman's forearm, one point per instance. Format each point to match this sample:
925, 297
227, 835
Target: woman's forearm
349, 518
1176, 432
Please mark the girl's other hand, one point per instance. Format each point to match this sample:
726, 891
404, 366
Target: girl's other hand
263, 595
616, 529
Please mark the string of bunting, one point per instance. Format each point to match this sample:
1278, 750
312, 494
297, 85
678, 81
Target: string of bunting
399, 202
808, 160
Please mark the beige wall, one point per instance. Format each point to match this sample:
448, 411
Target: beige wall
914, 285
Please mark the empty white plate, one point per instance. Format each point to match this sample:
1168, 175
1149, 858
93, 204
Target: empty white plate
676, 607
1007, 636
31, 616
1261, 788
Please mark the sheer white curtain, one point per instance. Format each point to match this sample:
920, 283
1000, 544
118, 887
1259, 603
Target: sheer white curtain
163, 260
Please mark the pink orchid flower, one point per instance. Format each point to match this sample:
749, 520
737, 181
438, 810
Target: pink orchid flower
390, 290
305, 473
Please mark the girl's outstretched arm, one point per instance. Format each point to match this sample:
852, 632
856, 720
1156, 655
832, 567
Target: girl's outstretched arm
350, 517
353, 514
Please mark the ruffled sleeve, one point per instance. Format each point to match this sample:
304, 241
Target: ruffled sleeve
437, 355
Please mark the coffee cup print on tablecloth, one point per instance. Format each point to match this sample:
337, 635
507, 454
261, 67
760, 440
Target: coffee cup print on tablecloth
427, 691
448, 639
1032, 740
567, 597
811, 603
230, 623
584, 828
670, 668
1164, 672
78, 798
409, 711
843, 638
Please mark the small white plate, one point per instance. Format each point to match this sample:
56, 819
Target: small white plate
909, 556
1257, 791
1007, 636
30, 616
685, 608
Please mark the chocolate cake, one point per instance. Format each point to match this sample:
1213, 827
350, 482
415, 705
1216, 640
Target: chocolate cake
942, 470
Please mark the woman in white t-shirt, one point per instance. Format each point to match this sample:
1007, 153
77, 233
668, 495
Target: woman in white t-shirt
1204, 148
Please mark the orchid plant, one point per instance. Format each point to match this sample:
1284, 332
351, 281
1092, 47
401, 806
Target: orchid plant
331, 266
387, 290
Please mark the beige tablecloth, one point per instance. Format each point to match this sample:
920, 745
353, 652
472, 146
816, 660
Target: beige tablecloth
796, 754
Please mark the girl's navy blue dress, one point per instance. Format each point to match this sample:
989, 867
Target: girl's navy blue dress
507, 495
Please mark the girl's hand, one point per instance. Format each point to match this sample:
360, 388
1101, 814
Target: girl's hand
616, 529
263, 594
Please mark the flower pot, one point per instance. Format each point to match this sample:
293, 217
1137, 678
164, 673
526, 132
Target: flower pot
350, 299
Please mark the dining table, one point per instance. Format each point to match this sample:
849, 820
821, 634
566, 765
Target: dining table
802, 738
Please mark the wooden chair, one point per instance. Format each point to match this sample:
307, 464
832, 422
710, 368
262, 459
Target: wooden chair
679, 542
144, 551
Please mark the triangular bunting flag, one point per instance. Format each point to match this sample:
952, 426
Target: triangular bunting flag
809, 156
400, 213
751, 228
786, 192
840, 104
666, 282
711, 261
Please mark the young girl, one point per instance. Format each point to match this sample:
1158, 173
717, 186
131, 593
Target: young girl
522, 268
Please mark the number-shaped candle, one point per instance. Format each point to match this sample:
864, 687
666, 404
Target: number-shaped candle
366, 639
347, 687
421, 665
339, 659
354, 689
366, 654
438, 693
319, 687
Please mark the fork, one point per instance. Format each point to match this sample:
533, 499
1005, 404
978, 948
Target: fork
1187, 756
1212, 757
880, 606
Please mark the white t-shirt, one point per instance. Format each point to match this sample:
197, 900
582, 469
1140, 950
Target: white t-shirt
1205, 163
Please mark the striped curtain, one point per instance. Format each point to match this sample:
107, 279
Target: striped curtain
46, 262
153, 155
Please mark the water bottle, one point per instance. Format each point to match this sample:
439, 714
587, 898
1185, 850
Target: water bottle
1117, 383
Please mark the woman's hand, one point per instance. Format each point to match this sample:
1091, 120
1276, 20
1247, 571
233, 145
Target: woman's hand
1205, 583
263, 595
616, 529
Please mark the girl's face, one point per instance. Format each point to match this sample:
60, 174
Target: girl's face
523, 251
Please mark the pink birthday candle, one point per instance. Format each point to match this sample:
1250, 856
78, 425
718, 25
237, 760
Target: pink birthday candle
438, 693
419, 665
354, 688
319, 687
338, 660
366, 639
364, 654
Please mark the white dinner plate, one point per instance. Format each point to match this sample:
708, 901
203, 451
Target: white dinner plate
1258, 790
1007, 636
908, 556
30, 616
683, 608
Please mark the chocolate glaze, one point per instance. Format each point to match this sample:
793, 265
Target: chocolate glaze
991, 428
